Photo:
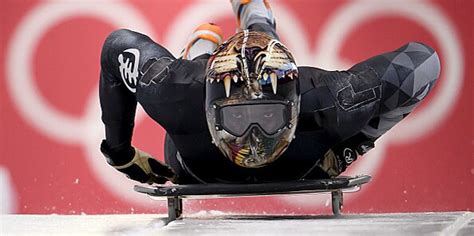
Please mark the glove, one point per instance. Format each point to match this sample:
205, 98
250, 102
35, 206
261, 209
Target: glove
136, 164
337, 159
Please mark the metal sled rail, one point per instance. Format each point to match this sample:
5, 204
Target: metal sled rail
175, 193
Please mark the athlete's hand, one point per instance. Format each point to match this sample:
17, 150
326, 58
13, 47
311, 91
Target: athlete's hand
137, 165
336, 160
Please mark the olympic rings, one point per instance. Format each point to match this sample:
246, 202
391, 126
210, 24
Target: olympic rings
87, 130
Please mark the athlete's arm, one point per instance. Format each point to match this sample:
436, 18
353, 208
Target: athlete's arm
118, 103
125, 56
370, 98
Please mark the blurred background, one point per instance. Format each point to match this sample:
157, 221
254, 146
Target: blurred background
50, 127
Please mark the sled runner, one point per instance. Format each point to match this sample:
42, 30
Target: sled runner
176, 193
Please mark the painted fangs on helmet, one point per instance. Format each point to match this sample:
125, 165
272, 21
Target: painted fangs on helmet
273, 78
227, 85
251, 61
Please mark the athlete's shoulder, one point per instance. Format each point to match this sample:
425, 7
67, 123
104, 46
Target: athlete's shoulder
124, 35
123, 38
313, 77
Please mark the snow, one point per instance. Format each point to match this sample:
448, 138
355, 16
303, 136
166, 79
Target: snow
79, 224
8, 202
222, 223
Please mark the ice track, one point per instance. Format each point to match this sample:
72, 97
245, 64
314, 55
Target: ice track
218, 223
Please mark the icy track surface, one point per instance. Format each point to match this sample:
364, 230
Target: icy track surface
218, 223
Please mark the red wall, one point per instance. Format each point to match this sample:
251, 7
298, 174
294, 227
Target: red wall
50, 120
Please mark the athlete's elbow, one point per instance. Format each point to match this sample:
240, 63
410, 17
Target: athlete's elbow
115, 37
119, 33
428, 62
110, 44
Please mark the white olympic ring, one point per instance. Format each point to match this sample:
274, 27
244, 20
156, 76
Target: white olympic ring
428, 16
417, 124
88, 130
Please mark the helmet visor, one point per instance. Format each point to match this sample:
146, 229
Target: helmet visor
237, 119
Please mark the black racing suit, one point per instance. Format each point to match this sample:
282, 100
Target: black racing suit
337, 107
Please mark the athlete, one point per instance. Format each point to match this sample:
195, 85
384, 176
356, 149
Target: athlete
242, 111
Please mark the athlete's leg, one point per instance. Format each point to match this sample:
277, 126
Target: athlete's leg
204, 40
255, 15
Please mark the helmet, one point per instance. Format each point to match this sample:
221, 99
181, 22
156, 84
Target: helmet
252, 98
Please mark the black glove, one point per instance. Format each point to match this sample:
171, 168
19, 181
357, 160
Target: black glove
337, 159
136, 164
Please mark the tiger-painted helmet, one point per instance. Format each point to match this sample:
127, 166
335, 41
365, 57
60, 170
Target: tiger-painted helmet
252, 98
